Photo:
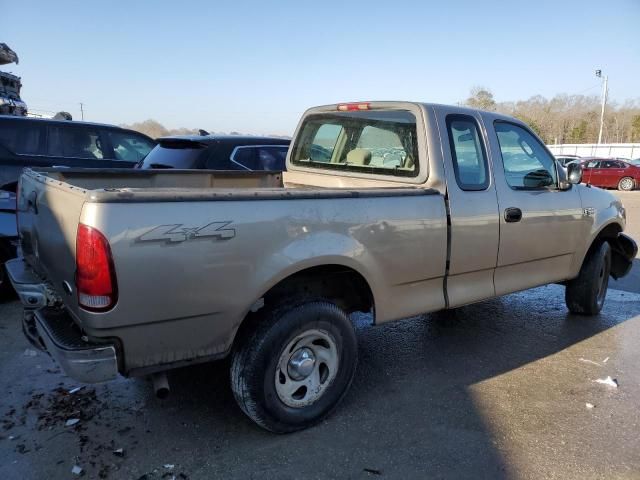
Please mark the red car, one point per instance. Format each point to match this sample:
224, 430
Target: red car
608, 173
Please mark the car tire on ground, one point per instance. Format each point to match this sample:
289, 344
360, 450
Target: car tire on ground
586, 293
295, 366
626, 184
6, 289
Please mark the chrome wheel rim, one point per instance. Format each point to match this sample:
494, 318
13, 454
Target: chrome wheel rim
626, 184
306, 367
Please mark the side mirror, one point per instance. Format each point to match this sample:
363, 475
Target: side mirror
574, 173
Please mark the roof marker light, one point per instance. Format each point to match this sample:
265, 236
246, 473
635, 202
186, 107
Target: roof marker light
349, 107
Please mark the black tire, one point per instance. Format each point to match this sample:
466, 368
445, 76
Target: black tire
255, 361
6, 289
586, 293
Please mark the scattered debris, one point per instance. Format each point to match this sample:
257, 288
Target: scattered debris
71, 422
77, 470
611, 382
119, 452
11, 437
589, 405
75, 390
169, 466
605, 360
373, 471
30, 353
586, 360
22, 449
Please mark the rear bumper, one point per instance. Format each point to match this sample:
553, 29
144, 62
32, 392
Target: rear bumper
53, 329
30, 288
81, 359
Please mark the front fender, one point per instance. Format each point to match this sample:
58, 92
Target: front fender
624, 250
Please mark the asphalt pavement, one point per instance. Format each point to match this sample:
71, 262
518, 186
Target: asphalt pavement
506, 388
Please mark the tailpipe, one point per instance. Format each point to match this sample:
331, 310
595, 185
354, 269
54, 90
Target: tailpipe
160, 385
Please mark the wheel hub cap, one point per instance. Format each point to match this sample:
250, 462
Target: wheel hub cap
301, 363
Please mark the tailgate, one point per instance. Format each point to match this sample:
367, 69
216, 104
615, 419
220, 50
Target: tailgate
48, 216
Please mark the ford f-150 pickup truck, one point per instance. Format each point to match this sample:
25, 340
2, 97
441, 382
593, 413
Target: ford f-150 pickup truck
392, 208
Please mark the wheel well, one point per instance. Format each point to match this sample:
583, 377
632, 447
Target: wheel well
610, 232
620, 262
10, 187
342, 285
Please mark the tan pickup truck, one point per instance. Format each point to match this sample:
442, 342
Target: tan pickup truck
392, 208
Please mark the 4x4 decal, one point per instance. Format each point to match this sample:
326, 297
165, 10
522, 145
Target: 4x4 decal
179, 233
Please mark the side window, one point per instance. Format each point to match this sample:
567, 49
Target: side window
324, 142
527, 164
245, 157
75, 142
468, 155
260, 157
128, 146
593, 164
272, 158
23, 137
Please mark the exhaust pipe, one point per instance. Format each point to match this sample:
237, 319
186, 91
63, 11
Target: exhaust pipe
160, 385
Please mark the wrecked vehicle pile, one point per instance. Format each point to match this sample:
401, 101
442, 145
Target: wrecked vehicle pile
10, 85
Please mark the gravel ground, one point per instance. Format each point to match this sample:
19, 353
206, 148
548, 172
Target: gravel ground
502, 389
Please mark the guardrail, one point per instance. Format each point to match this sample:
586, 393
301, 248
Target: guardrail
606, 150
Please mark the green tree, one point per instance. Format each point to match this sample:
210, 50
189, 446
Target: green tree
482, 98
578, 134
635, 128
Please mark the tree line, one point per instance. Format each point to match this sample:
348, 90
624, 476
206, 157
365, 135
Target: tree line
155, 129
567, 118
561, 119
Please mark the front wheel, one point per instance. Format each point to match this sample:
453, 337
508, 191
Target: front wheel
626, 184
295, 367
585, 294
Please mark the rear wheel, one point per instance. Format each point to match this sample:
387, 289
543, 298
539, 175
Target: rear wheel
586, 293
626, 184
295, 367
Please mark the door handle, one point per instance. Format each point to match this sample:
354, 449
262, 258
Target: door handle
512, 215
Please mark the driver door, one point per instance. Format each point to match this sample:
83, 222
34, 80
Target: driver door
540, 225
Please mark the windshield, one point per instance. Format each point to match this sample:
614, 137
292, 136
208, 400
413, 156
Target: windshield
175, 154
375, 141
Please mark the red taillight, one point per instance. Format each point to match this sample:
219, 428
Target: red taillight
349, 107
95, 275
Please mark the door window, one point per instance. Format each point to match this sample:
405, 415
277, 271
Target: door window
527, 164
467, 152
261, 157
128, 146
23, 137
75, 142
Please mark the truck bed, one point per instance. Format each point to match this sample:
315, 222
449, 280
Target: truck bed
125, 185
194, 250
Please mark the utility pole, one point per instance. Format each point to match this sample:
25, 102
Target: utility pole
82, 114
604, 102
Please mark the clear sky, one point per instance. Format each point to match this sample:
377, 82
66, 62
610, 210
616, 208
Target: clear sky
255, 66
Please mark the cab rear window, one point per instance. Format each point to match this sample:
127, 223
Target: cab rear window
375, 141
